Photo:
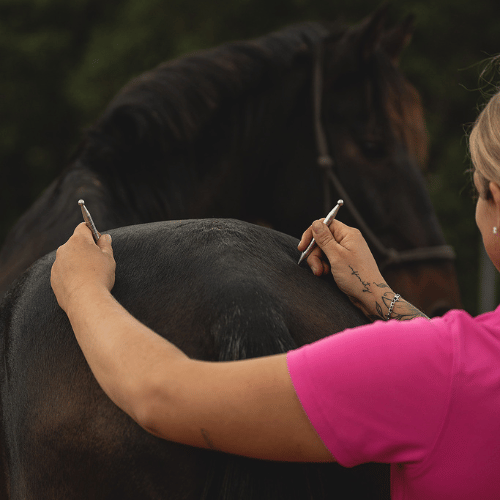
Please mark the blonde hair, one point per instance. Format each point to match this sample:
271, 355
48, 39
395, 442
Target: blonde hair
484, 143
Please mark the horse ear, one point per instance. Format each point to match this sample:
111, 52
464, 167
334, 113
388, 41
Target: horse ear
398, 38
370, 31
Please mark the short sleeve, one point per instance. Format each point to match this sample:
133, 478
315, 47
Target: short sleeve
377, 393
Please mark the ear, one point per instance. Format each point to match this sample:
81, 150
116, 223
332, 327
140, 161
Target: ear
495, 198
370, 31
495, 193
398, 38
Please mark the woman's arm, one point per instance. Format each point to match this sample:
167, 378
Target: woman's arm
354, 270
244, 407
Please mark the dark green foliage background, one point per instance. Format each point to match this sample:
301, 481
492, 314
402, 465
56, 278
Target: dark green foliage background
62, 61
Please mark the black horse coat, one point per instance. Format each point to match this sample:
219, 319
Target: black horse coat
219, 290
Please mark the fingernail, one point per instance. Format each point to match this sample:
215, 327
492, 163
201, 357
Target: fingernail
313, 269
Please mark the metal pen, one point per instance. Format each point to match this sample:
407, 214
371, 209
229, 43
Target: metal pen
327, 221
88, 220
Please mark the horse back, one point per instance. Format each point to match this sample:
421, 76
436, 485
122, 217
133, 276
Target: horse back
219, 290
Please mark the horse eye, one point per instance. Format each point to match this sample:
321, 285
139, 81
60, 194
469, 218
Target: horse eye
374, 150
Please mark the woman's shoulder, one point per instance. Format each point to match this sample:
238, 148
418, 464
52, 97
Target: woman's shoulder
460, 321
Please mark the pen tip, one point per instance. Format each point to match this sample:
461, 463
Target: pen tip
340, 202
81, 202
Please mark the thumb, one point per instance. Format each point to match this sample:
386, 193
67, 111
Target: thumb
104, 243
324, 238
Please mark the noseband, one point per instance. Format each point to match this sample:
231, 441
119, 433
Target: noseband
391, 256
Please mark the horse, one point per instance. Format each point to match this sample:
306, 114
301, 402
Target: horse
236, 131
219, 289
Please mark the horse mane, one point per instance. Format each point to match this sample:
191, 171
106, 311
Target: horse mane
181, 95
172, 116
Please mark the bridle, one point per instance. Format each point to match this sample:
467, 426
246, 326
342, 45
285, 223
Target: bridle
391, 256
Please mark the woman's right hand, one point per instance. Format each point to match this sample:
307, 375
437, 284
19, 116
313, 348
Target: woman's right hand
349, 258
82, 264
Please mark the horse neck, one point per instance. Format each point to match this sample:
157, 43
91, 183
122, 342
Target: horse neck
253, 141
232, 122
267, 129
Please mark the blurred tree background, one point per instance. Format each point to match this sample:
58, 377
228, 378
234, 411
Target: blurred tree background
61, 63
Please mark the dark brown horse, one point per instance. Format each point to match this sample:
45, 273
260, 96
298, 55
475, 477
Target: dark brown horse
218, 289
236, 132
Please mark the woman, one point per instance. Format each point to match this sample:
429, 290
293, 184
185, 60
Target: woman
423, 395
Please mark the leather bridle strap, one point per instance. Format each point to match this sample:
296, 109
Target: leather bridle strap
326, 163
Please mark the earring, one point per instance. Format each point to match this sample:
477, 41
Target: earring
495, 230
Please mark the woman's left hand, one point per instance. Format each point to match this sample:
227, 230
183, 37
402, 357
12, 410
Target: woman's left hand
80, 264
344, 251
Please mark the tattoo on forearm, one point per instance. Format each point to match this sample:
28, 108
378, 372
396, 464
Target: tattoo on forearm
366, 286
402, 310
406, 311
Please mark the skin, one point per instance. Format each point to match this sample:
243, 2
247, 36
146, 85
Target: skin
246, 407
343, 251
488, 216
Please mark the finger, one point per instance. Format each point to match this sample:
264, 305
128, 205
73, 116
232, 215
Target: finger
315, 261
316, 264
305, 240
339, 230
83, 230
324, 238
307, 236
326, 267
104, 243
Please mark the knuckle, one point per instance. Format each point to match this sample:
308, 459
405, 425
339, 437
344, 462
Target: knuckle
326, 237
322, 240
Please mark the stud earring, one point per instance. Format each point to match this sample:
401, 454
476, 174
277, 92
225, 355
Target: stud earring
495, 230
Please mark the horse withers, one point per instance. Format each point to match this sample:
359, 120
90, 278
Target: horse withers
218, 289
236, 132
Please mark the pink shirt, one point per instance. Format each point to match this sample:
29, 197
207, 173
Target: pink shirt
421, 395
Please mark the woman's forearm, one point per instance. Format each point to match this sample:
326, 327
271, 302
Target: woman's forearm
121, 351
246, 407
378, 301
355, 271
402, 309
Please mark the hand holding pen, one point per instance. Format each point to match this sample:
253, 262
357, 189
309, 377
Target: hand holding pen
83, 264
343, 251
327, 221
88, 220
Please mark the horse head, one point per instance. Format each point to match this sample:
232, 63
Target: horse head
376, 148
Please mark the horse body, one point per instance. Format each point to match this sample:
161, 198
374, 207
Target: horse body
230, 133
219, 290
